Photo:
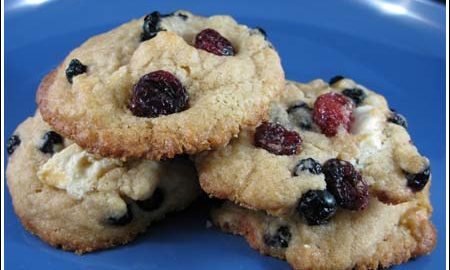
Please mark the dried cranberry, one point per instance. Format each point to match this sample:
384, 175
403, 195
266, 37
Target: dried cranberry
332, 110
122, 220
75, 68
280, 239
12, 144
158, 93
356, 94
317, 207
276, 139
417, 181
308, 164
152, 203
151, 26
398, 119
346, 184
51, 142
212, 41
335, 79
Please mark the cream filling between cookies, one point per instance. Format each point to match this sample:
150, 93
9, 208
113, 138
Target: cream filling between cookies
79, 172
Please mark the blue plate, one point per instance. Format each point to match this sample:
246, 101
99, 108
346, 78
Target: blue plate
398, 50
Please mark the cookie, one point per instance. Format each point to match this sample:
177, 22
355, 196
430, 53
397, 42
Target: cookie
340, 137
81, 202
378, 237
162, 85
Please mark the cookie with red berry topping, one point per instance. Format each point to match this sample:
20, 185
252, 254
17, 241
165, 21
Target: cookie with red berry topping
82, 202
340, 138
381, 236
162, 85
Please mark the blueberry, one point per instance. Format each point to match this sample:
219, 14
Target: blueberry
301, 115
183, 16
75, 68
12, 144
317, 207
151, 26
335, 79
418, 181
262, 32
280, 239
152, 203
398, 119
122, 220
356, 94
308, 164
50, 140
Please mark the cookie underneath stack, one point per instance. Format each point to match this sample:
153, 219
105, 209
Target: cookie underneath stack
323, 175
321, 195
77, 201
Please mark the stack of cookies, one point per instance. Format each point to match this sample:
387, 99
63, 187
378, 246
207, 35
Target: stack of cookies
134, 121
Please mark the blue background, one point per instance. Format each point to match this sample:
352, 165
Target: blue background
396, 50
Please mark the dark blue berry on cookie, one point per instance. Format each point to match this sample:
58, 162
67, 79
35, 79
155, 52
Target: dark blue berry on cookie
182, 16
417, 181
335, 79
122, 220
276, 139
75, 68
178, 14
301, 115
152, 203
262, 32
280, 239
151, 26
158, 93
213, 42
346, 184
51, 142
12, 144
317, 207
308, 164
398, 119
356, 94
